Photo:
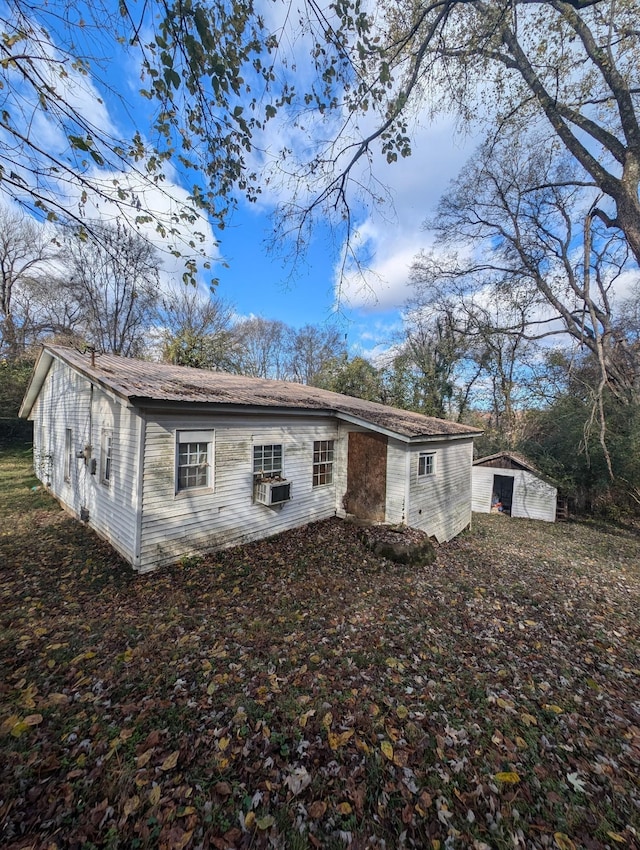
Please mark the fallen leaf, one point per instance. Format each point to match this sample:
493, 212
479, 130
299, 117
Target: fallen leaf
563, 841
509, 777
387, 749
171, 761
317, 809
266, 822
344, 808
615, 836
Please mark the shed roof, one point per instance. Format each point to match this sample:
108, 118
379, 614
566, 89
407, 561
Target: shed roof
144, 383
517, 460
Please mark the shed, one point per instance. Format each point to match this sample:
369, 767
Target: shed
508, 483
167, 461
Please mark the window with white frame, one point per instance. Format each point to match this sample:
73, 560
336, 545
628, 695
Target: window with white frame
267, 460
68, 453
322, 462
194, 460
426, 464
106, 456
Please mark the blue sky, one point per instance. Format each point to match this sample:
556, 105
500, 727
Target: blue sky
257, 281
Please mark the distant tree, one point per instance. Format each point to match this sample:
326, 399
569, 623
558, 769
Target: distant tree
352, 376
114, 282
26, 255
431, 370
515, 221
263, 347
564, 438
312, 347
196, 330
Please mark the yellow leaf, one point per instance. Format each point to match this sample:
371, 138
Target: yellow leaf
19, 728
315, 658
171, 761
510, 777
339, 740
556, 710
327, 720
154, 795
387, 749
131, 805
8, 724
127, 656
223, 743
302, 720
615, 836
57, 699
529, 719
266, 822
250, 820
211, 688
362, 746
402, 711
563, 841
143, 760
521, 743
125, 734
188, 810
435, 844
344, 808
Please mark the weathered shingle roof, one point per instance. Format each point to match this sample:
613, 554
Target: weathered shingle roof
141, 381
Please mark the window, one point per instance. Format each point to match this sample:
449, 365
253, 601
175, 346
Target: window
426, 464
267, 461
106, 457
194, 459
322, 462
68, 453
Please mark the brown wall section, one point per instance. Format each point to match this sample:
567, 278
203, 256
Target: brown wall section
366, 476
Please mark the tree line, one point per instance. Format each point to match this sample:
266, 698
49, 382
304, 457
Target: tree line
474, 347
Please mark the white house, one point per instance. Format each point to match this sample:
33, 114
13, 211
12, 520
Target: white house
166, 461
507, 482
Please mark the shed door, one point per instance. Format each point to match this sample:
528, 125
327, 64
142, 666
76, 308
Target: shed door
503, 492
366, 494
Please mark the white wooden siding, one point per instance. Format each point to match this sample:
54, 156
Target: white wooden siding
533, 498
174, 525
67, 401
440, 504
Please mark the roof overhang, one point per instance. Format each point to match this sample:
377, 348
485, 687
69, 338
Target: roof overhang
38, 376
159, 405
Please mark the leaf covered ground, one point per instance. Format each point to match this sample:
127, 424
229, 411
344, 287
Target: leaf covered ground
301, 693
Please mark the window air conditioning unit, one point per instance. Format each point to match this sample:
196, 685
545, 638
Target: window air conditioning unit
271, 491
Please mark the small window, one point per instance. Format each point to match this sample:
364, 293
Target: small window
267, 461
194, 459
426, 464
106, 457
322, 462
68, 453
